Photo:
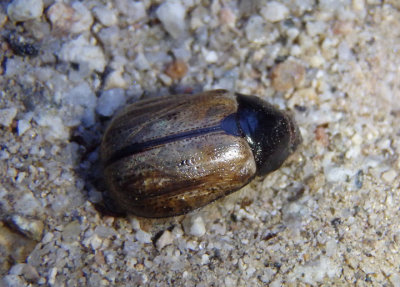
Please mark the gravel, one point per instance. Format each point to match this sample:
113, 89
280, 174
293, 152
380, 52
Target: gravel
329, 216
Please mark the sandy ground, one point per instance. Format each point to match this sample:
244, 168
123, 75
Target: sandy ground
329, 216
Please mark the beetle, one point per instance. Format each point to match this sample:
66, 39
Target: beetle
167, 156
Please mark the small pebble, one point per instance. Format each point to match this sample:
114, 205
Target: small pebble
165, 79
141, 62
110, 101
143, 236
105, 16
321, 136
134, 11
74, 18
227, 17
165, 239
210, 56
80, 50
116, 80
52, 276
30, 227
23, 10
205, 259
389, 175
7, 116
23, 126
336, 174
274, 11
177, 69
26, 270
95, 242
256, 31
195, 226
71, 231
172, 16
287, 75
12, 281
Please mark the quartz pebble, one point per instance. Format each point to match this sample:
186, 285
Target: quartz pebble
195, 226
74, 18
287, 75
172, 16
30, 227
7, 116
23, 10
274, 11
134, 11
177, 69
142, 236
12, 280
110, 101
81, 51
258, 33
26, 270
389, 175
54, 126
83, 100
165, 239
106, 16
342, 184
23, 126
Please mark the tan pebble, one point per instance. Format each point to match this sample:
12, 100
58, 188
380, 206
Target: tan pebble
177, 69
342, 28
139, 267
321, 136
69, 19
116, 80
165, 239
389, 175
99, 258
287, 75
227, 17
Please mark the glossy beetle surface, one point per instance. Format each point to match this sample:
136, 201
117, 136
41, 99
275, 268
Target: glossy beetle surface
167, 156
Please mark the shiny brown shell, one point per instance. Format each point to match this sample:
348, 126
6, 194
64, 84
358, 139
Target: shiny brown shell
167, 156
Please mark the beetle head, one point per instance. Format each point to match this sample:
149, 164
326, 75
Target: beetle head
271, 134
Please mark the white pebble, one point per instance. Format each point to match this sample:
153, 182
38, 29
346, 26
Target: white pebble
165, 239
165, 79
106, 16
52, 276
74, 19
135, 224
7, 116
56, 128
23, 126
81, 51
142, 236
336, 174
110, 101
12, 281
210, 56
205, 259
95, 242
133, 10
26, 270
141, 62
389, 176
116, 80
255, 30
83, 101
274, 11
172, 16
23, 10
358, 5
197, 227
